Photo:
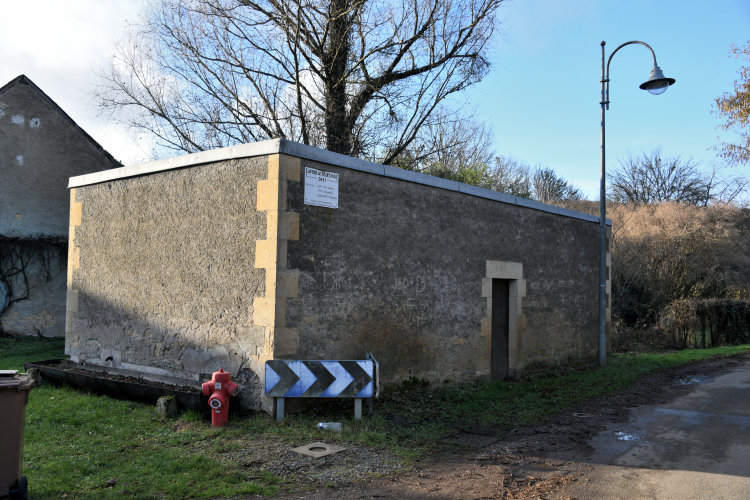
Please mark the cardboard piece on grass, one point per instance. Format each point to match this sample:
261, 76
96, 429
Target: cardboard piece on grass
317, 450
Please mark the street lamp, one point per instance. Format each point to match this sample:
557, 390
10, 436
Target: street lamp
656, 84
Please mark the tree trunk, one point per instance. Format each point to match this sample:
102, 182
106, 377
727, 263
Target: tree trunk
338, 136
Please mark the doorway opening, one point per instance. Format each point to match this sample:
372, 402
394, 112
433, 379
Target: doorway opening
504, 327
500, 336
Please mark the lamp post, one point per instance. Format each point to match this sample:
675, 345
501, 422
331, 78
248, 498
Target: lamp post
656, 84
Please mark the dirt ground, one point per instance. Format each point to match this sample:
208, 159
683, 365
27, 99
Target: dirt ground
533, 462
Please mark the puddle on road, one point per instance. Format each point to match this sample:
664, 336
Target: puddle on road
691, 380
623, 436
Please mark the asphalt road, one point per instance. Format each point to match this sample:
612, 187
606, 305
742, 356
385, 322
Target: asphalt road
694, 447
680, 434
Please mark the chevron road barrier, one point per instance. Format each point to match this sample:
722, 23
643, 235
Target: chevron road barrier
320, 379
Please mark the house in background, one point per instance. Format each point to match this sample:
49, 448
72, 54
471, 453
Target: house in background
40, 148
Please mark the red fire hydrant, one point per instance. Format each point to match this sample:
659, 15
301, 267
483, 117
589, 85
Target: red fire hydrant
221, 389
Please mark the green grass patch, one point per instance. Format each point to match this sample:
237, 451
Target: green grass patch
15, 351
88, 446
546, 393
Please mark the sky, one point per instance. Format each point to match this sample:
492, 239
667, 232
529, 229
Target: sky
541, 98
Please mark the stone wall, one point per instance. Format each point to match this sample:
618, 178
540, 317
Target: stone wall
404, 270
40, 148
36, 271
162, 275
208, 261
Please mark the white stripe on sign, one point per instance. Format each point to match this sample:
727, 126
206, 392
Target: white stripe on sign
306, 379
343, 379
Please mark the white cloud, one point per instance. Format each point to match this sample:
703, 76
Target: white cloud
58, 45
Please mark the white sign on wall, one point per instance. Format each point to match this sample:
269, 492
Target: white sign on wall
321, 188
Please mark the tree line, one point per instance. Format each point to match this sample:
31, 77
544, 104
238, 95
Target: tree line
375, 79
383, 80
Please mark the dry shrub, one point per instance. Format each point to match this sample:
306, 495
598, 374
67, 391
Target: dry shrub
707, 323
585, 206
670, 251
680, 274
643, 339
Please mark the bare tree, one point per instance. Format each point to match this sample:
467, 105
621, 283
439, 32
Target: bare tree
547, 187
455, 147
725, 189
470, 161
454, 142
358, 77
656, 178
512, 176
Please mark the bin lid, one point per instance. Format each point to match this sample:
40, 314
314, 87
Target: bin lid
9, 379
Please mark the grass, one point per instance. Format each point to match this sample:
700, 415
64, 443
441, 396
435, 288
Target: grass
15, 351
522, 403
88, 446
105, 448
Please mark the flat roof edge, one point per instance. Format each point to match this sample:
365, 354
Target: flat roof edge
188, 160
283, 146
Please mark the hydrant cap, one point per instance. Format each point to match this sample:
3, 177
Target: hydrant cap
208, 388
217, 400
232, 389
221, 376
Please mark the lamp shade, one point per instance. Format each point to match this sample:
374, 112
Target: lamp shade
657, 83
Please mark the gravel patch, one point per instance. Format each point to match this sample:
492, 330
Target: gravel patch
354, 463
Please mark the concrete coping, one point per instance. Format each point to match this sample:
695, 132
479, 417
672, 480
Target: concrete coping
283, 146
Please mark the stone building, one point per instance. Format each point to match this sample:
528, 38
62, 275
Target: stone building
228, 258
41, 147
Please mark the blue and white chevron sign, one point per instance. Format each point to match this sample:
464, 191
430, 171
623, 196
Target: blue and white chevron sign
319, 379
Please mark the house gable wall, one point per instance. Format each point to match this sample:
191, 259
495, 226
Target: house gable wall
39, 150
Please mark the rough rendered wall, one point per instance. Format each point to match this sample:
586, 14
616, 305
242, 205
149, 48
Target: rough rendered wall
398, 270
162, 273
